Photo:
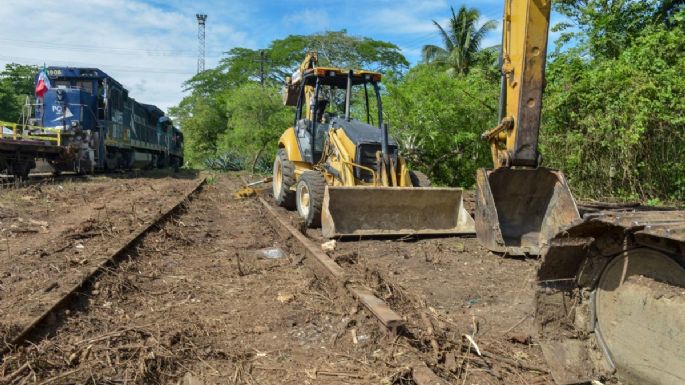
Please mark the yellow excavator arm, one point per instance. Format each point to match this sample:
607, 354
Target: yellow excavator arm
514, 142
604, 304
520, 205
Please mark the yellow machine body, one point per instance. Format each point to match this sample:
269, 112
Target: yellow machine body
369, 189
354, 207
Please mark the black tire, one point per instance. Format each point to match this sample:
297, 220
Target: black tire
309, 197
283, 180
419, 179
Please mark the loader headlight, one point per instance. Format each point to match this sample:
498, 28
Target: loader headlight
74, 124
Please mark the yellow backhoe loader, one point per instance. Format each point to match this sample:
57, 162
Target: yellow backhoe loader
342, 171
610, 303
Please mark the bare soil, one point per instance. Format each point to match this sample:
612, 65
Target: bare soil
462, 289
196, 298
196, 301
53, 234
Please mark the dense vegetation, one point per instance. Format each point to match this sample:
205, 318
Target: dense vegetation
237, 109
613, 119
613, 115
16, 83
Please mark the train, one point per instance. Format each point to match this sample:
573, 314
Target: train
86, 122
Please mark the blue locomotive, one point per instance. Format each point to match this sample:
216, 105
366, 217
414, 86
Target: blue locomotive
100, 127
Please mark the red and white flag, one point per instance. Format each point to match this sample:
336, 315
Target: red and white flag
43, 84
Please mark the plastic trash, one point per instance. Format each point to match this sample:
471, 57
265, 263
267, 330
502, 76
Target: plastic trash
272, 253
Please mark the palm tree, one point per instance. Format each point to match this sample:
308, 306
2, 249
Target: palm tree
462, 40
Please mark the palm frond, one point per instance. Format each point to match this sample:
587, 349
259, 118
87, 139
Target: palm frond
433, 53
446, 38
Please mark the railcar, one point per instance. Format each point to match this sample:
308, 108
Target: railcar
99, 127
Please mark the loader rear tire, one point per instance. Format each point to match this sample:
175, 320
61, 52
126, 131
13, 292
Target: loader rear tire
283, 180
309, 197
419, 179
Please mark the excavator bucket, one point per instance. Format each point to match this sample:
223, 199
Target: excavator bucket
519, 210
388, 211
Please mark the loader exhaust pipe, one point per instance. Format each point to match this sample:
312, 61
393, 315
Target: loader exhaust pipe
385, 168
384, 140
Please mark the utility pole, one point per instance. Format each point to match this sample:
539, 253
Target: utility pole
261, 67
201, 21
262, 60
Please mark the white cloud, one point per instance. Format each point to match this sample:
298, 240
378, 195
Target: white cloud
317, 20
403, 17
150, 49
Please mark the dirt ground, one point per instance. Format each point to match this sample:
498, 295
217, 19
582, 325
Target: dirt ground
462, 288
196, 301
53, 232
196, 297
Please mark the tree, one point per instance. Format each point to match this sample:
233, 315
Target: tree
604, 28
615, 125
204, 114
203, 120
438, 119
461, 40
256, 119
16, 83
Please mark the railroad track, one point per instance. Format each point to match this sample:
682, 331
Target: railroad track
422, 368
326, 268
48, 317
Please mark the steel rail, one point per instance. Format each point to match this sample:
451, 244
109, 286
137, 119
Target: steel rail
48, 316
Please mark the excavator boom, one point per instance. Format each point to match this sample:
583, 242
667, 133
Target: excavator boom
610, 298
520, 204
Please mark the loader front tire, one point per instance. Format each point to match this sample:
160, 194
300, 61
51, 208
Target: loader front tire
419, 179
309, 197
283, 180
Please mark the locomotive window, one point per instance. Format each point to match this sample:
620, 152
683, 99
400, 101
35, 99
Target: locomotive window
115, 99
62, 83
86, 85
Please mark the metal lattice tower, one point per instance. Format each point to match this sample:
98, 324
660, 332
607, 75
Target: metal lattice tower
201, 21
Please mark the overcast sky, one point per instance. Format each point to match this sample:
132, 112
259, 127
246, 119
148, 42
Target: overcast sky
151, 45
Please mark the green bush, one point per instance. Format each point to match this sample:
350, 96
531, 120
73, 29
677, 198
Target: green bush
438, 120
615, 126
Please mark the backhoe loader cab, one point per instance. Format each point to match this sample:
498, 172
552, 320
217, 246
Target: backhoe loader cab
330, 97
340, 169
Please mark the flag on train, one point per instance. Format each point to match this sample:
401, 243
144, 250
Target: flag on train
43, 83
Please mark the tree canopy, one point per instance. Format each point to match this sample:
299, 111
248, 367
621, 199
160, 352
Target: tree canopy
227, 109
16, 83
613, 120
461, 40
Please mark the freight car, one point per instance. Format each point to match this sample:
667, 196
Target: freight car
99, 127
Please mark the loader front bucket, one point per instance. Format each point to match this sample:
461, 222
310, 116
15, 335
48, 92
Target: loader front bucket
381, 211
519, 210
